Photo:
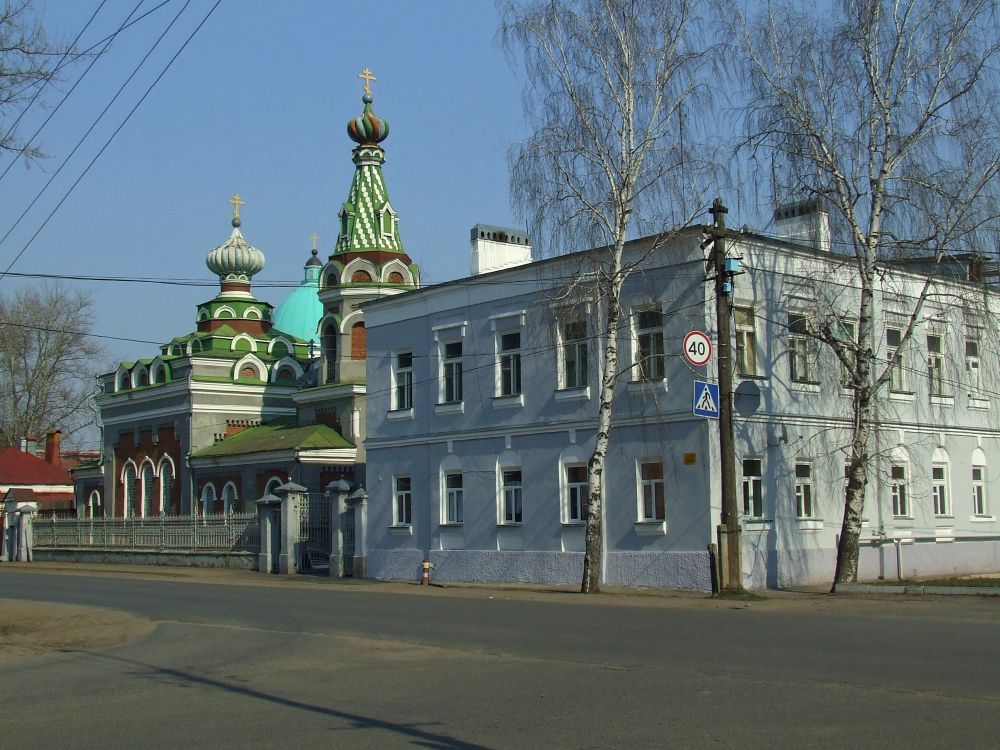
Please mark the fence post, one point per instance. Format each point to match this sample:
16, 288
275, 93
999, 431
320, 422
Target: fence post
336, 496
291, 497
268, 508
359, 500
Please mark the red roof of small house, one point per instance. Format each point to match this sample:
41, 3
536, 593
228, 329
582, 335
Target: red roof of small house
20, 468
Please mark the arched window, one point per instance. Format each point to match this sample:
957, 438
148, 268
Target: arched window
358, 341
330, 335
128, 491
147, 491
286, 373
396, 278
248, 372
166, 487
272, 484
93, 509
361, 276
143, 378
229, 498
208, 499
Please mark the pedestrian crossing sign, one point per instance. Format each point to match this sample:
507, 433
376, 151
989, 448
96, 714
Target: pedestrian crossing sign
706, 399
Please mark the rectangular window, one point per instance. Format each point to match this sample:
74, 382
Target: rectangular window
972, 364
402, 507
801, 350
651, 480
746, 341
577, 489
939, 489
804, 490
403, 381
900, 491
893, 339
850, 337
451, 372
511, 489
935, 366
453, 498
979, 506
509, 352
650, 363
753, 488
574, 354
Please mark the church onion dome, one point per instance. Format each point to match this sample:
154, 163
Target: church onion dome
300, 313
235, 260
368, 129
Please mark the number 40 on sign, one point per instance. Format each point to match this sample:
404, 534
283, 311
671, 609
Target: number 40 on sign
697, 348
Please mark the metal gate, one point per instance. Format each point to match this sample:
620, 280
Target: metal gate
314, 532
347, 529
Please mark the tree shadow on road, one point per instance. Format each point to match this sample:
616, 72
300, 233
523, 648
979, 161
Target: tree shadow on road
420, 737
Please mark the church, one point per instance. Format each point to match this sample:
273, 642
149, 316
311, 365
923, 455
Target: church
256, 396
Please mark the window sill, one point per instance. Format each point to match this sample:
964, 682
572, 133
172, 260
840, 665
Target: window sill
982, 519
510, 524
399, 414
804, 387
942, 400
758, 524
979, 403
905, 396
574, 524
573, 394
508, 402
451, 525
750, 376
810, 524
896, 519
401, 530
650, 528
648, 385
450, 407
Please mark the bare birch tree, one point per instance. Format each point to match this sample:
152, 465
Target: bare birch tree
47, 363
885, 111
28, 61
610, 85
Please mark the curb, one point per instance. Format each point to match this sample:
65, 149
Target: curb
916, 589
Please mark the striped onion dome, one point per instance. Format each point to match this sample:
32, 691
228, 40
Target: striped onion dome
368, 129
234, 259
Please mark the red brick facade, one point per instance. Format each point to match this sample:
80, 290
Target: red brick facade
152, 446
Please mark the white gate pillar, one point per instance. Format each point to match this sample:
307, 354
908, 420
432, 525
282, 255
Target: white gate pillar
359, 501
291, 499
336, 495
268, 510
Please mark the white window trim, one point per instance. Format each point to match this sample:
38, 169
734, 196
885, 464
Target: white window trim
396, 523
394, 370
446, 494
502, 496
634, 333
564, 489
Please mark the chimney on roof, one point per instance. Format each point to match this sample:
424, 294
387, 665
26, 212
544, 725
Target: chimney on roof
494, 248
52, 453
805, 223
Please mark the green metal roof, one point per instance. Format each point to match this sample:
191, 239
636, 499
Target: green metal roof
283, 434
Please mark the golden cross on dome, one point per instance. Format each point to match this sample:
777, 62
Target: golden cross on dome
367, 75
314, 237
236, 201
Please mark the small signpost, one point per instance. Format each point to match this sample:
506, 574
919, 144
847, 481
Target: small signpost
698, 348
706, 399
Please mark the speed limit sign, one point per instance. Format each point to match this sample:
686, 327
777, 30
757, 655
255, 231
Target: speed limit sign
698, 348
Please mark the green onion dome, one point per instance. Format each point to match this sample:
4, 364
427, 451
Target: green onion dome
368, 129
234, 259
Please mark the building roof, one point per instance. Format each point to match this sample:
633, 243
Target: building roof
283, 434
20, 468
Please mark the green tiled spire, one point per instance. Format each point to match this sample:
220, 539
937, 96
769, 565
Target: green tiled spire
368, 222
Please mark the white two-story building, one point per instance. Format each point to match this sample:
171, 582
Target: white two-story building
482, 403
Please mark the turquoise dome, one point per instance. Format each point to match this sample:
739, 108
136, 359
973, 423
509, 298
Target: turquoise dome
300, 313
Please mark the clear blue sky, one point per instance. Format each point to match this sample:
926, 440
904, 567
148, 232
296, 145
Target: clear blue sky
258, 103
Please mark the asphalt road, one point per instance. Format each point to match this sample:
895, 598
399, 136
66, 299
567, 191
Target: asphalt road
293, 664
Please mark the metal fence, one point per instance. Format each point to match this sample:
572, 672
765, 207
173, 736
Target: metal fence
314, 531
229, 532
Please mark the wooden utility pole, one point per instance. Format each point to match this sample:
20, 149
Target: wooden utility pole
730, 552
